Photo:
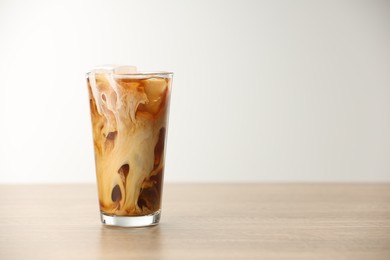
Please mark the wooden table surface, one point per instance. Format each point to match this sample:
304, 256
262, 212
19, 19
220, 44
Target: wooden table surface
202, 221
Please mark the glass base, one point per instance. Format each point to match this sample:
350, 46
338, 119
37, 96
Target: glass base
131, 221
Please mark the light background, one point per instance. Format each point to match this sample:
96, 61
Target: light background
263, 90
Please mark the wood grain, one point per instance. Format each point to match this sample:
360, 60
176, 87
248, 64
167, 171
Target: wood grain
202, 221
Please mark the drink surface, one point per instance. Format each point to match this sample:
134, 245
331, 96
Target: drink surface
129, 123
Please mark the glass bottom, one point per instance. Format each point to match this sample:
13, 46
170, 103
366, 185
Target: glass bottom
131, 221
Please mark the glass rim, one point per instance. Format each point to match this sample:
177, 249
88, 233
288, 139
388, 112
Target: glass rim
141, 74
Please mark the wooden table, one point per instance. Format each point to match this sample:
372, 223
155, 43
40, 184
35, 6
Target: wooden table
202, 221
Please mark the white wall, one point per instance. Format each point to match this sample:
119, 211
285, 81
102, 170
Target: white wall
263, 90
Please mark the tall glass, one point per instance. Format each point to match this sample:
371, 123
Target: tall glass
129, 112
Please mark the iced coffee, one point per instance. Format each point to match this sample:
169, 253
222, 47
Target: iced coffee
129, 112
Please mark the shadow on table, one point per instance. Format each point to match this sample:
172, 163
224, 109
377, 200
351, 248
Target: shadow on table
124, 242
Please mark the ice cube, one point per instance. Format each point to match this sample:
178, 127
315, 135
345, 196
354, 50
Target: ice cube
155, 90
125, 70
